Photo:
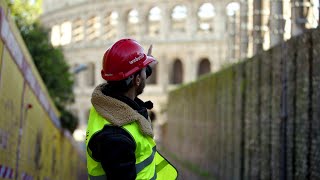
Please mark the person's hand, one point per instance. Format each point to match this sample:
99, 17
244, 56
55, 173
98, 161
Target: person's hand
154, 63
150, 51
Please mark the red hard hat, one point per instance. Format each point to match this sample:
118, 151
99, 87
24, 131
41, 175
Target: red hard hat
123, 59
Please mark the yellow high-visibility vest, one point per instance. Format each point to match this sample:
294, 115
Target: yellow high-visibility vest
149, 163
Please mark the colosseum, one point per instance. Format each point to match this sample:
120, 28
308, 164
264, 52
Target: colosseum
189, 38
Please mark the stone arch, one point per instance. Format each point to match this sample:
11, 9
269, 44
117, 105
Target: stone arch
233, 30
55, 35
132, 22
78, 30
110, 21
177, 72
93, 27
315, 13
204, 67
61, 34
206, 13
179, 15
232, 8
154, 18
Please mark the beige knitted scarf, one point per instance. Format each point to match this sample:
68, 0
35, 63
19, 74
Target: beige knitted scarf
117, 112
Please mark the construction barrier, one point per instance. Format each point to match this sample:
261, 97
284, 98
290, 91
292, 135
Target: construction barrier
32, 143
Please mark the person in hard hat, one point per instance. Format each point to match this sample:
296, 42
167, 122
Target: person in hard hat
119, 137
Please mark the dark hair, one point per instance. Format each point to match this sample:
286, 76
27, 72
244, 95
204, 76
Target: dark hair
120, 87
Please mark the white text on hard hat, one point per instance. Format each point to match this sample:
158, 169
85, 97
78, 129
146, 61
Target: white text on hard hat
136, 59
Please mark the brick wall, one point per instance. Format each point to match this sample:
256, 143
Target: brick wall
258, 119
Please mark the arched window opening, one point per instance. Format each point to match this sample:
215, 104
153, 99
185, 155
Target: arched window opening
204, 67
66, 33
206, 14
90, 74
78, 30
233, 29
153, 78
93, 27
154, 21
61, 34
132, 23
179, 18
110, 22
233, 8
177, 72
55, 35
314, 19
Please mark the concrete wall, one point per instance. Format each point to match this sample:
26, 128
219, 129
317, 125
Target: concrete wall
258, 119
32, 143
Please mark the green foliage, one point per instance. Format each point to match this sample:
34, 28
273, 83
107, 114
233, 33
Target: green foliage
25, 12
68, 120
51, 65
49, 60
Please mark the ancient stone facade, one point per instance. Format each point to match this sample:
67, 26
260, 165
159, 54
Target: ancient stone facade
190, 38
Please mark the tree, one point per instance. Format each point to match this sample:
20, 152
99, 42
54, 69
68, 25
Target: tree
49, 60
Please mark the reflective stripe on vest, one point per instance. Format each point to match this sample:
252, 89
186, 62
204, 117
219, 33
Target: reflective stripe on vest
164, 169
161, 165
146, 162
